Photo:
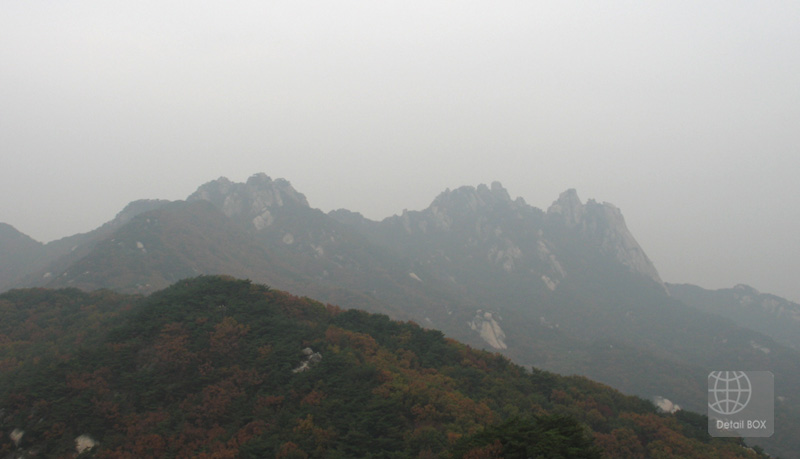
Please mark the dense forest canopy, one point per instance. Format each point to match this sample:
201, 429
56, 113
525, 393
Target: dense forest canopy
219, 367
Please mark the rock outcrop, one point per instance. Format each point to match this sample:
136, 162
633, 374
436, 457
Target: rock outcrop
603, 225
311, 358
487, 326
254, 200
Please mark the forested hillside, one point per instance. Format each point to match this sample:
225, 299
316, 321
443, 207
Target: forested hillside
567, 289
218, 367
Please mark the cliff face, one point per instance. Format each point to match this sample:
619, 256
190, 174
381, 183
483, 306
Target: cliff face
604, 225
484, 226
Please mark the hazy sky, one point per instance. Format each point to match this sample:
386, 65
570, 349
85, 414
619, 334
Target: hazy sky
684, 114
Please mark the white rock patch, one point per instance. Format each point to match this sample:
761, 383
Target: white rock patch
488, 328
551, 284
264, 220
16, 436
760, 347
311, 358
665, 405
84, 443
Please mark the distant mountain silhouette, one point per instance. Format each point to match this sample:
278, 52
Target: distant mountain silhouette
567, 289
19, 254
774, 316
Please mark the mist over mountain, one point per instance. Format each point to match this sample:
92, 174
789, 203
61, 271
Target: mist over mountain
769, 314
566, 289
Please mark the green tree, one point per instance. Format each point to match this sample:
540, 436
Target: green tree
550, 436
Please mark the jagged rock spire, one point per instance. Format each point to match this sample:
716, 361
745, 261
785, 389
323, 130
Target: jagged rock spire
569, 207
471, 199
605, 225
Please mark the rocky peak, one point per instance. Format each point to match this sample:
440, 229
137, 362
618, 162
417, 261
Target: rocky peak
135, 208
12, 235
468, 199
252, 200
497, 191
568, 207
19, 254
451, 207
604, 225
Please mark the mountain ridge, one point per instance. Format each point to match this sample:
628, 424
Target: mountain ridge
567, 289
770, 314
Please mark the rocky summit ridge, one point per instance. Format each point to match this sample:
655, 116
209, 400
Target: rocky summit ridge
514, 234
468, 199
254, 200
468, 223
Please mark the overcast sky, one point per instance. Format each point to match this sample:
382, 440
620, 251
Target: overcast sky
684, 114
